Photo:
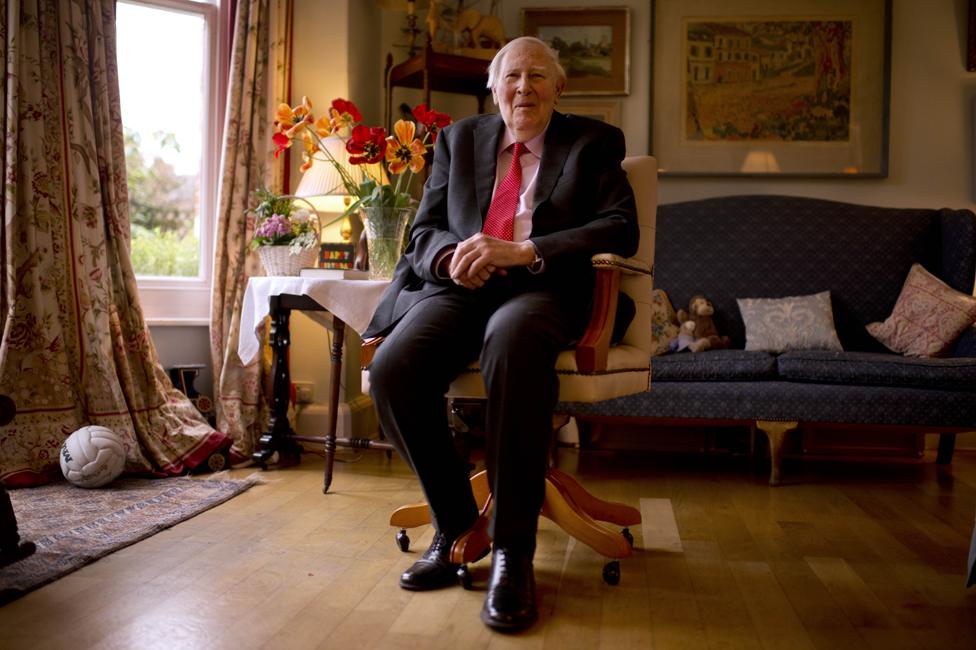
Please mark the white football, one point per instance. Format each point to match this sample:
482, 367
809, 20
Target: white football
92, 456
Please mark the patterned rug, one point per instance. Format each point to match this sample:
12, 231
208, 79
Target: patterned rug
72, 526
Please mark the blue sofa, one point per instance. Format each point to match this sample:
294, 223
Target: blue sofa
775, 246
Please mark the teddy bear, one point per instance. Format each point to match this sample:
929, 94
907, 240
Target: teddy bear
704, 334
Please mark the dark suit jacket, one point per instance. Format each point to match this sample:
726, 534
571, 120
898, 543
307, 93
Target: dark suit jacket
583, 206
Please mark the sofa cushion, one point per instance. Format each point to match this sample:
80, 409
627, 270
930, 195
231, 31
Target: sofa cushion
664, 322
928, 317
877, 369
791, 323
714, 365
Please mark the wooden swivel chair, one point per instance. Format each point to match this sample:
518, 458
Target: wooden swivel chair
593, 372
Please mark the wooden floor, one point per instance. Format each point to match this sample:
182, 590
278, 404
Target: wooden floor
848, 556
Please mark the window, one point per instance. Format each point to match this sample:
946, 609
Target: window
170, 93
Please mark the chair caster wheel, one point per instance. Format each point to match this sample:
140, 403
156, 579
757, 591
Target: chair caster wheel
611, 573
630, 538
403, 540
464, 577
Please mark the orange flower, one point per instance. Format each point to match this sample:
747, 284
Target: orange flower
290, 120
311, 147
404, 149
323, 127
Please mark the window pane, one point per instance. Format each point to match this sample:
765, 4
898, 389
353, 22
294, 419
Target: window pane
161, 79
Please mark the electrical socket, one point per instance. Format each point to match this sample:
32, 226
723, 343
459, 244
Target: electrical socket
304, 392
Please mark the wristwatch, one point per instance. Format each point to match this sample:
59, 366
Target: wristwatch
536, 265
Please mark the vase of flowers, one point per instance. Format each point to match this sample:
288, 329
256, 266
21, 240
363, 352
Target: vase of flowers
385, 167
385, 228
285, 237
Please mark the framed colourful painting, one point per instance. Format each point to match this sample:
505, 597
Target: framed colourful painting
771, 88
593, 46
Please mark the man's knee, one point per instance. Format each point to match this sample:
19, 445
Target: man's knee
387, 370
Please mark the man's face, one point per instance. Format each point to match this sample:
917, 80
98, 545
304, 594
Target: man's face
526, 91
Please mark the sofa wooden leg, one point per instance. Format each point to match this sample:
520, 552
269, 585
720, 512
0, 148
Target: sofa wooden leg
776, 432
947, 444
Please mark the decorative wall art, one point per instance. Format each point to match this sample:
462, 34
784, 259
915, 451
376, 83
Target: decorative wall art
760, 87
593, 46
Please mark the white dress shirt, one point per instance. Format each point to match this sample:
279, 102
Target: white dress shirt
530, 159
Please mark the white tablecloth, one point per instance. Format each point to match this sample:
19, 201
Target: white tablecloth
352, 301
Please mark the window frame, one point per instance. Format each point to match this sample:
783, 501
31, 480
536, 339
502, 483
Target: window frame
186, 300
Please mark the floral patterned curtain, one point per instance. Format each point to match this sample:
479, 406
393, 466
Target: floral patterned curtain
75, 348
258, 76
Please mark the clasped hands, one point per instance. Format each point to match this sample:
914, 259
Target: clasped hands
479, 257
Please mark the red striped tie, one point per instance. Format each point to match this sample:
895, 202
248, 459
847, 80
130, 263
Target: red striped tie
500, 222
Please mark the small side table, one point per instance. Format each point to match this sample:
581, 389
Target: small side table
354, 299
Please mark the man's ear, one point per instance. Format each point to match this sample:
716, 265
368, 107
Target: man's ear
560, 87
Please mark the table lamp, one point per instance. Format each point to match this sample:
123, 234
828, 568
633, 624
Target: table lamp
322, 186
760, 161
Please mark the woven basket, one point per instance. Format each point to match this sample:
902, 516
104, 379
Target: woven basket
278, 260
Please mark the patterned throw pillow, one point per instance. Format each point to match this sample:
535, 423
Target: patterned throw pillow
792, 323
928, 317
664, 322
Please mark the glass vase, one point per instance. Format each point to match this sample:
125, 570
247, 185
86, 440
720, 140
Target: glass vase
384, 229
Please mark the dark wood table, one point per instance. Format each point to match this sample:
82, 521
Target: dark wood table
280, 437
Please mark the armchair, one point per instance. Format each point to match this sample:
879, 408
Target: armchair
594, 371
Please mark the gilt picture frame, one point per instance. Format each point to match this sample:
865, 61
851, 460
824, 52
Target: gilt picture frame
593, 46
771, 88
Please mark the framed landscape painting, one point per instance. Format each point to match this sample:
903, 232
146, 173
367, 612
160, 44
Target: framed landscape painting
593, 46
771, 88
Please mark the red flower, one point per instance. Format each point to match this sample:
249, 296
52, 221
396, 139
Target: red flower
431, 119
367, 145
281, 142
344, 113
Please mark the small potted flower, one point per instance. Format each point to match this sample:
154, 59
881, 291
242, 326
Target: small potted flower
285, 237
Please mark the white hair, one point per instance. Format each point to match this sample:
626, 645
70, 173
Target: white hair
494, 68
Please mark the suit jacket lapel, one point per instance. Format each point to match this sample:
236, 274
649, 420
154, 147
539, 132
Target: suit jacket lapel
557, 148
485, 159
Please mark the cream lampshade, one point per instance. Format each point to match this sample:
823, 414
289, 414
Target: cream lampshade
322, 185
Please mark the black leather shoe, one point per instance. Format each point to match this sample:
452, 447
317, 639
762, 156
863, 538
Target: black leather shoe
434, 569
510, 603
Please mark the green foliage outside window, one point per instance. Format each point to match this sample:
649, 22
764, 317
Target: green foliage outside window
162, 212
164, 252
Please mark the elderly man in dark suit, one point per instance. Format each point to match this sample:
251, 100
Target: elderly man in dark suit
498, 267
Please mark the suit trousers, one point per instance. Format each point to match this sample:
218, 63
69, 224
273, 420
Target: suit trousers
518, 328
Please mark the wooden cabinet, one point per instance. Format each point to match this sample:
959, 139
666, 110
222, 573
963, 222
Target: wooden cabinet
429, 71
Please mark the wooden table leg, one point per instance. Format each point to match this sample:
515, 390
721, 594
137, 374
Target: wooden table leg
279, 435
339, 333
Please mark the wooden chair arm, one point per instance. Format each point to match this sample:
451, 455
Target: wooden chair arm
368, 349
629, 266
594, 348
